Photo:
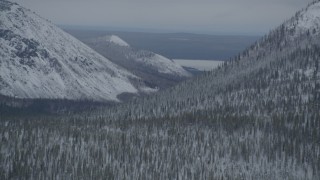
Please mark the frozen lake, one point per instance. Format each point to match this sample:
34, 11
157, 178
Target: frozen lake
202, 65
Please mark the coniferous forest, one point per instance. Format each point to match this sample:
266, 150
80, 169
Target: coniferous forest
257, 116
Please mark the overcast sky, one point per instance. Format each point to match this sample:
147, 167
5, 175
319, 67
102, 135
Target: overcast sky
200, 16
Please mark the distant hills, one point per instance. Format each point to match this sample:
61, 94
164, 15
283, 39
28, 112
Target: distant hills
155, 70
176, 45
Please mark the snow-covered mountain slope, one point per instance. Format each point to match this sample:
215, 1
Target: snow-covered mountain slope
305, 23
154, 69
39, 60
307, 19
161, 64
116, 40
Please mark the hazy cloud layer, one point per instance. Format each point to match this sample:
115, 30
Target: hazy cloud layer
207, 16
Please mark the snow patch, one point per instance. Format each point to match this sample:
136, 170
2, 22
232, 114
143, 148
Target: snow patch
311, 17
164, 65
116, 40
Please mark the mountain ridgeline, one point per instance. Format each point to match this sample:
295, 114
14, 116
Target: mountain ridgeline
255, 117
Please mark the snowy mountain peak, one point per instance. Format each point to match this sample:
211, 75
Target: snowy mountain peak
39, 60
116, 40
311, 16
307, 19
